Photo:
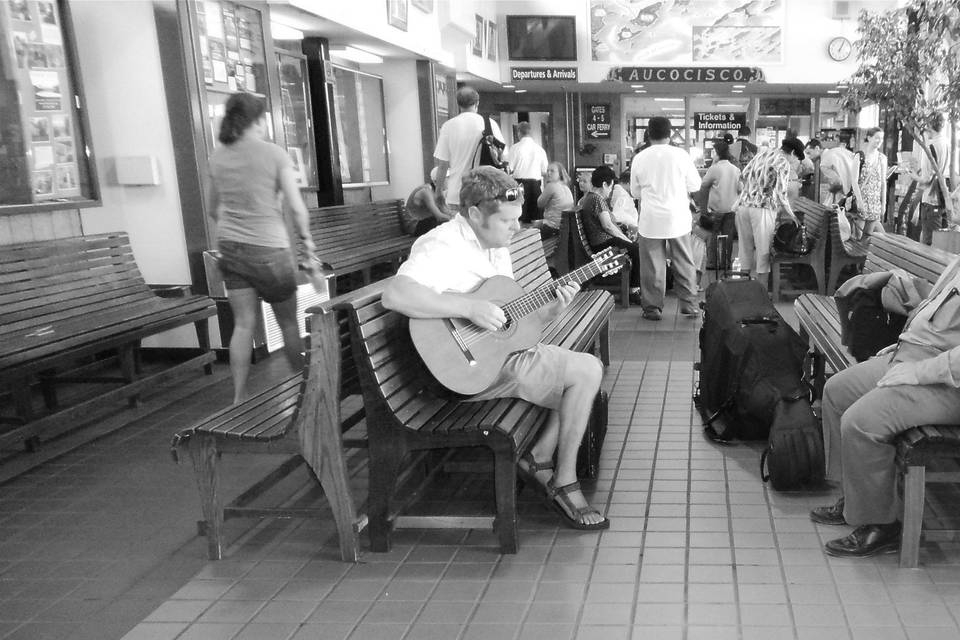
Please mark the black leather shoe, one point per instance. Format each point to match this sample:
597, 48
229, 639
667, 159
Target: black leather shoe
635, 298
829, 515
865, 541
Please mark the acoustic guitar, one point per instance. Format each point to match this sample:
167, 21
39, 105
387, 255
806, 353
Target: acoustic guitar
467, 359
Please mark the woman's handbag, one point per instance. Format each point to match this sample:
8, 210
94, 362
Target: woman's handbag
790, 238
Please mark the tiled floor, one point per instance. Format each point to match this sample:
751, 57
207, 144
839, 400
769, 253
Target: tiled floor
101, 543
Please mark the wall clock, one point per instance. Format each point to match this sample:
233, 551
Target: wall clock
840, 48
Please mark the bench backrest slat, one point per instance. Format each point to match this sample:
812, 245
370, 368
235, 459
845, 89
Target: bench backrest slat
815, 216
890, 251
69, 273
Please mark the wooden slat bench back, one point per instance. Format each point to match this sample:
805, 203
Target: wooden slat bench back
354, 238
301, 415
66, 299
814, 217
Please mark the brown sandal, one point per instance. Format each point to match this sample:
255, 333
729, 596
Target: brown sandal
561, 503
528, 474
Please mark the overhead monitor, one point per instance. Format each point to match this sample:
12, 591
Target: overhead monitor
550, 38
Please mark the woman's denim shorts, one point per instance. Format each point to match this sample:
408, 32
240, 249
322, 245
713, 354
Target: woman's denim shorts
268, 270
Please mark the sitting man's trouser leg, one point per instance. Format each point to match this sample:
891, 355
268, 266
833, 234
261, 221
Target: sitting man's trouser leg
859, 422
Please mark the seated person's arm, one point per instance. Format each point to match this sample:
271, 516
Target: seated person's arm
441, 182
427, 198
608, 225
407, 296
941, 369
544, 199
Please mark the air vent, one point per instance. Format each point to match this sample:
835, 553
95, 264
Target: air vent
842, 9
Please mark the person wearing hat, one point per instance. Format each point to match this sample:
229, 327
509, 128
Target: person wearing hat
422, 211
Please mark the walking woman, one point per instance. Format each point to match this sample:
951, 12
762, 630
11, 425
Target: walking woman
555, 199
873, 186
256, 259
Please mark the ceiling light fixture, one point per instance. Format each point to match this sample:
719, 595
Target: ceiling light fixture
672, 109
668, 99
736, 91
639, 90
356, 55
509, 86
833, 91
636, 86
739, 86
519, 90
735, 106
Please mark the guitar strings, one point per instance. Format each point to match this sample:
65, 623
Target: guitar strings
530, 302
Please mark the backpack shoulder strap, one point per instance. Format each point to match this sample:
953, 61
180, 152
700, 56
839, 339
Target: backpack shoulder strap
487, 128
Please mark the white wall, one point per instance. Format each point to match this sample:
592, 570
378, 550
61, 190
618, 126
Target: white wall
126, 104
402, 101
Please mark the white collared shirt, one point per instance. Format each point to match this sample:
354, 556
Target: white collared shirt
528, 160
450, 258
662, 177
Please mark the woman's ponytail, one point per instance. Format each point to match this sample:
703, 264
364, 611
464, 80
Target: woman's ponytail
241, 111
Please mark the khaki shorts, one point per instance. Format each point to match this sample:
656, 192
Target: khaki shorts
535, 375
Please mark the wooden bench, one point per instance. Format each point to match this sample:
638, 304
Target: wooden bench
819, 323
302, 416
814, 217
356, 237
842, 253
576, 252
410, 415
67, 303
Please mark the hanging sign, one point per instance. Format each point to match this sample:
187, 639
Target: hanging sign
522, 74
686, 74
719, 121
596, 121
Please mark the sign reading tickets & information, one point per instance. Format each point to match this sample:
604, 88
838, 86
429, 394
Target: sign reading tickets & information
597, 121
719, 121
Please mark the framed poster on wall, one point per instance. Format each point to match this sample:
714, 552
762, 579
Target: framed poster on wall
491, 43
397, 14
478, 33
45, 156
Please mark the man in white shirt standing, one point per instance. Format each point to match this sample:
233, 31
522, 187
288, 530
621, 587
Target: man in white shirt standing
930, 206
457, 145
529, 163
663, 177
841, 168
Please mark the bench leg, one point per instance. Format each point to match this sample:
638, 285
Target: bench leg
203, 340
206, 471
818, 273
625, 288
22, 401
775, 274
128, 369
505, 481
914, 479
48, 388
386, 455
603, 341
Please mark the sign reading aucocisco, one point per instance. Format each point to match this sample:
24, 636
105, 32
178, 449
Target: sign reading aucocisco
686, 74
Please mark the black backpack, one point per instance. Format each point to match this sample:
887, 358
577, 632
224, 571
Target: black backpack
793, 456
489, 150
865, 326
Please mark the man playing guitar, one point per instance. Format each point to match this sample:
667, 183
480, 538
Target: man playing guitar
454, 259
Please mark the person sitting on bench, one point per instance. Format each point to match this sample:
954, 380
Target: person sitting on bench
912, 383
454, 259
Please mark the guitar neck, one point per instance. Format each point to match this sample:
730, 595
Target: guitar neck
547, 293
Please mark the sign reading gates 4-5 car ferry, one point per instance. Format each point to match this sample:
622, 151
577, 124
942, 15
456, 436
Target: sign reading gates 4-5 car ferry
686, 74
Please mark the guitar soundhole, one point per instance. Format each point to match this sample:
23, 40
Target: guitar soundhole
507, 325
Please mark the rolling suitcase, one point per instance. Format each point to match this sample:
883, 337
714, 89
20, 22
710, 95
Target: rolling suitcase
749, 359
